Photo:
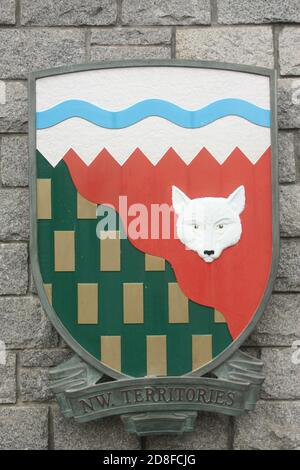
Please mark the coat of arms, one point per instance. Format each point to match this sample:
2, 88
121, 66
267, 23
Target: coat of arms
154, 234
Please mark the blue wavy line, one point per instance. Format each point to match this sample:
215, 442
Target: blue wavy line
153, 107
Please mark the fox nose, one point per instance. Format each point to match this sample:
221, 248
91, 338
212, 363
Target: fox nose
209, 252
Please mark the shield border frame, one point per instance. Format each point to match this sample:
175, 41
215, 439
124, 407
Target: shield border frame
63, 332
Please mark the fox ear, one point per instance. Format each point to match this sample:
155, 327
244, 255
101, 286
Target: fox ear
237, 199
179, 200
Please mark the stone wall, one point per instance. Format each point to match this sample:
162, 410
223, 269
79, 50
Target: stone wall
49, 33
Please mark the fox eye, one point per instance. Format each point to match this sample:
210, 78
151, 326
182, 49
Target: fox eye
220, 226
195, 226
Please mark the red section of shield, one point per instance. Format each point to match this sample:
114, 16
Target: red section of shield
235, 283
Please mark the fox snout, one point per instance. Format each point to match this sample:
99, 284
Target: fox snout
209, 225
208, 255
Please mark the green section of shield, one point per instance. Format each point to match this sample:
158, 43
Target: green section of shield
64, 289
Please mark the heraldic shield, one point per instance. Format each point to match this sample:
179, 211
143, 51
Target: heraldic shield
154, 238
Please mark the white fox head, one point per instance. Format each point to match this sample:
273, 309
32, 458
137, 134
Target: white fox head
208, 225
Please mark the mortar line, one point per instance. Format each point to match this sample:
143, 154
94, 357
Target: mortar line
230, 435
51, 445
18, 388
119, 13
143, 442
18, 13
88, 35
275, 33
173, 42
296, 135
214, 12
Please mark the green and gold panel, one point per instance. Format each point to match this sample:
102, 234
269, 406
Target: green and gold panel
124, 307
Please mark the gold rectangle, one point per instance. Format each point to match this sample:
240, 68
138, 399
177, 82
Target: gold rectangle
48, 290
154, 263
87, 309
133, 302
111, 351
85, 208
43, 195
201, 350
110, 251
156, 355
219, 317
64, 251
178, 304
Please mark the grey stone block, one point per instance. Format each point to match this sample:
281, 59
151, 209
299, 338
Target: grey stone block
44, 357
8, 379
160, 12
23, 428
290, 210
13, 106
279, 324
14, 160
282, 375
68, 12
130, 36
286, 157
289, 45
34, 384
288, 277
106, 434
289, 103
14, 214
258, 11
243, 45
13, 269
24, 50
211, 432
7, 12
272, 426
23, 324
130, 52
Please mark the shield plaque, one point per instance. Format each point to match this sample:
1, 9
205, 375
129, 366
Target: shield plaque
154, 212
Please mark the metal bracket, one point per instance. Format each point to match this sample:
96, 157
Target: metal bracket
73, 373
161, 405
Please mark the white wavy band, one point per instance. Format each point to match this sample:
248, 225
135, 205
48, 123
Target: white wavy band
153, 137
